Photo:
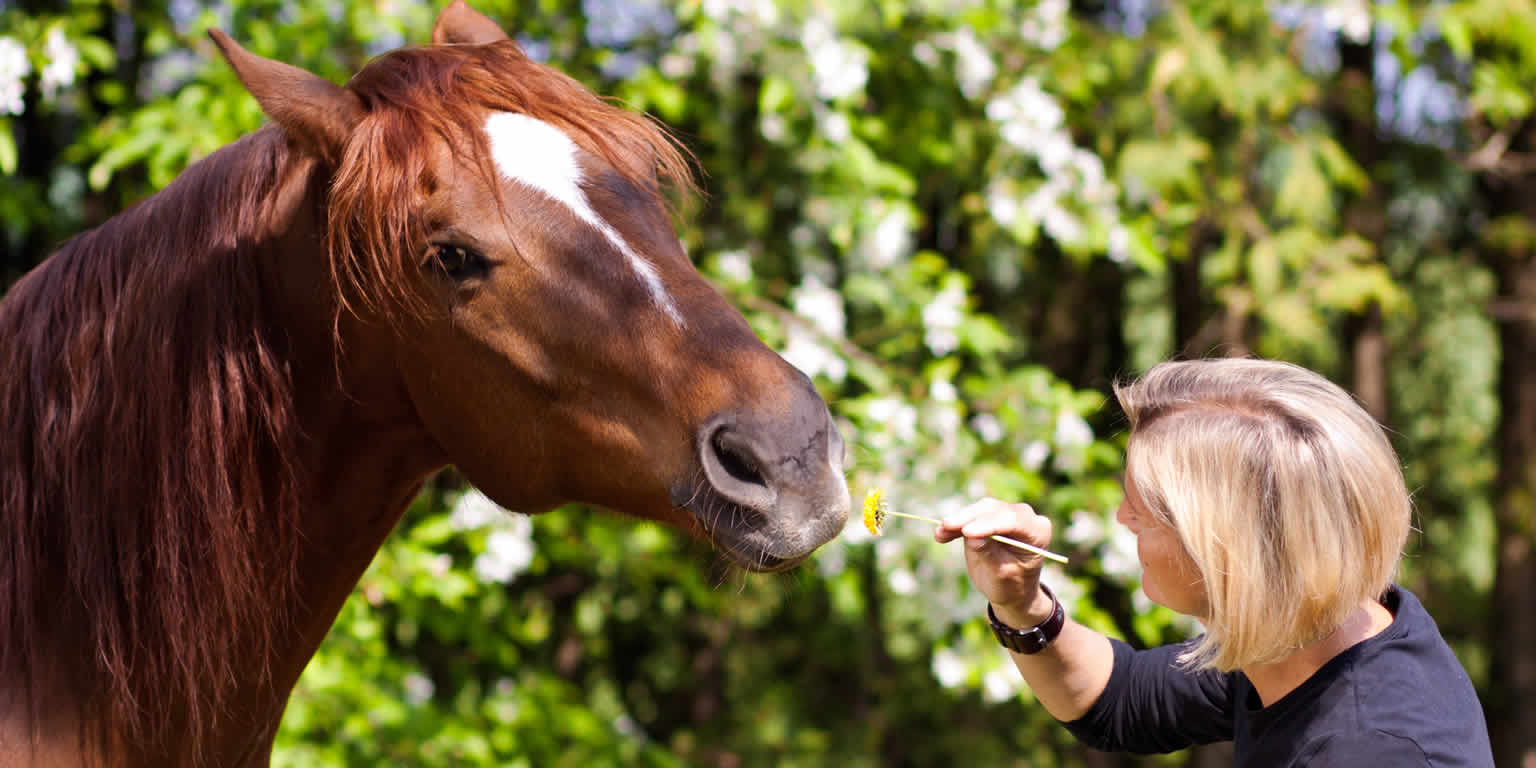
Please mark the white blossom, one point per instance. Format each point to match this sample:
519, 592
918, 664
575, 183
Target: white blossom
1087, 529
1000, 684
475, 510
815, 301
734, 265
1071, 431
899, 418
902, 581
803, 235
1089, 168
1066, 589
974, 67
1034, 455
941, 319
676, 65
1119, 244
1350, 18
1119, 558
418, 689
629, 727
835, 127
508, 552
1032, 122
1029, 109
1062, 224
13, 67
888, 550
1053, 151
718, 10
987, 427
63, 61
773, 127
924, 52
1002, 205
832, 559
945, 421
943, 390
948, 668
839, 68
804, 350
1140, 603
891, 239
1046, 25
764, 13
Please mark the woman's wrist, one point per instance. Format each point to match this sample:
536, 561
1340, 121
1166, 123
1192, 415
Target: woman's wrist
1023, 614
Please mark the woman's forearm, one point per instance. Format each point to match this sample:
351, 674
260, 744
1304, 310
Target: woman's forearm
1068, 676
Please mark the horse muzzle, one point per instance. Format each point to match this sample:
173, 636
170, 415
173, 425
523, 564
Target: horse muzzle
770, 486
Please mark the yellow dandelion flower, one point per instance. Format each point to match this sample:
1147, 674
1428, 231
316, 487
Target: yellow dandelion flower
874, 511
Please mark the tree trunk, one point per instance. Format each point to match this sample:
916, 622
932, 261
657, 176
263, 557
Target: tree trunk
1512, 698
1192, 338
1353, 112
1511, 701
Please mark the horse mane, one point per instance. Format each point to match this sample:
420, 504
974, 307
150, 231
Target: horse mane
149, 518
146, 507
414, 96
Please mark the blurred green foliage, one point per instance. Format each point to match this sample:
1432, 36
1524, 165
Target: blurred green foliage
965, 219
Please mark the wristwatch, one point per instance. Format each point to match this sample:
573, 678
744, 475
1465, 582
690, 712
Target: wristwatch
1036, 638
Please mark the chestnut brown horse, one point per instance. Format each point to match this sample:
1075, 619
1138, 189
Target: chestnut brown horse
215, 406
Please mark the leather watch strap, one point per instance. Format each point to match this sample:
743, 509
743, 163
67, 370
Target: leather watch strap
1036, 638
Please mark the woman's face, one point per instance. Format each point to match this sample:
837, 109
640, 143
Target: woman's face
1169, 576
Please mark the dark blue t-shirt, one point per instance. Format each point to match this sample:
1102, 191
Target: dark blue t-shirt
1397, 699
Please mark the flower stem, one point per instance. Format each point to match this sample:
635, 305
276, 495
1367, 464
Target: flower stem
1004, 539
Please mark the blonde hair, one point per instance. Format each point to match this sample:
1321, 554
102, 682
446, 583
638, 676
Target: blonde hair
1285, 493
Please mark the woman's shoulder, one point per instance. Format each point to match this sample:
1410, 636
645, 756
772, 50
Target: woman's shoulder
1388, 676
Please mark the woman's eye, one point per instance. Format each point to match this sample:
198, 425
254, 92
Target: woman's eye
459, 262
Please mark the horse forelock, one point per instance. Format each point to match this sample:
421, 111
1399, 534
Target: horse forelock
417, 96
147, 508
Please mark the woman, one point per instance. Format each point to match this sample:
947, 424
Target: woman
1267, 504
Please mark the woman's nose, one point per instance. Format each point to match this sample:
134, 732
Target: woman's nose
1127, 518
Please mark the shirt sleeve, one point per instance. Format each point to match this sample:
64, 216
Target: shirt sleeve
1365, 747
1151, 705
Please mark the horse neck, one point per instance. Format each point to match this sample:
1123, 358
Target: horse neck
363, 454
360, 458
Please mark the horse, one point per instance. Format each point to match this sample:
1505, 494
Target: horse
217, 404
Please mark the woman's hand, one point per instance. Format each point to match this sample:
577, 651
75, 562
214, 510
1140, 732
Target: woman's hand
1008, 576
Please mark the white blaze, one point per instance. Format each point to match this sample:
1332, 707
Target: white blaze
539, 155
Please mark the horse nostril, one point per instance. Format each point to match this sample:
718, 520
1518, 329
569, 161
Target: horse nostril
736, 462
733, 464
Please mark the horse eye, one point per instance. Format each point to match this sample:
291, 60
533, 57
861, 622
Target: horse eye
459, 262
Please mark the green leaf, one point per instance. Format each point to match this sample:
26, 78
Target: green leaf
97, 53
8, 157
1304, 193
1339, 166
1265, 268
1458, 37
776, 95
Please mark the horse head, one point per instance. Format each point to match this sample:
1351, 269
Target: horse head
510, 231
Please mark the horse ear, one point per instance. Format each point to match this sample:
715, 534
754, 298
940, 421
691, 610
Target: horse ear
310, 108
459, 23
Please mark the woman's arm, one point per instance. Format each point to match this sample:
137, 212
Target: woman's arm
1110, 696
1066, 677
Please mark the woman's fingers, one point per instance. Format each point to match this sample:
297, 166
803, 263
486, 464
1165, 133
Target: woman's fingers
952, 526
991, 517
